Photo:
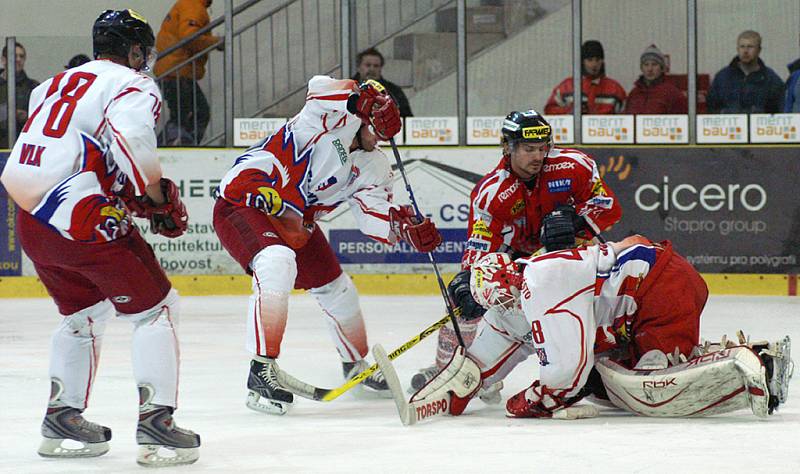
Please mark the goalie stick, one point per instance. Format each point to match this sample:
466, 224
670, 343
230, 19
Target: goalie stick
311, 392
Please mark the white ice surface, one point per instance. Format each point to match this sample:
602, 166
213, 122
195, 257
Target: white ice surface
364, 434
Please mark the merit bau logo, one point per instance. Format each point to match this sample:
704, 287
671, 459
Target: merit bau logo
605, 129
432, 131
662, 129
730, 128
777, 128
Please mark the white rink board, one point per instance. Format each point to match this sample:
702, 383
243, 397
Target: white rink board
364, 434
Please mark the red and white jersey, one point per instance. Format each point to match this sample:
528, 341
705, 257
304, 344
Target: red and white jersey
577, 302
90, 129
506, 213
306, 166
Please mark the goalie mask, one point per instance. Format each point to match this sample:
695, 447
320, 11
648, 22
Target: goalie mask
495, 281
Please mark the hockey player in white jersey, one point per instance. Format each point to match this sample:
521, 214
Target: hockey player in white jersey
85, 160
265, 218
630, 309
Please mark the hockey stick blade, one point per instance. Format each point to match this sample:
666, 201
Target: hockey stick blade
393, 381
318, 394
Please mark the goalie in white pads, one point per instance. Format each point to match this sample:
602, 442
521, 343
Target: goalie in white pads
632, 310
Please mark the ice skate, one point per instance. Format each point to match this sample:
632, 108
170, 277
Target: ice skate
161, 441
375, 383
422, 377
265, 393
65, 423
777, 359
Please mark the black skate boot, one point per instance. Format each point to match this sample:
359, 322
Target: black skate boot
777, 359
63, 422
422, 377
265, 393
375, 383
161, 442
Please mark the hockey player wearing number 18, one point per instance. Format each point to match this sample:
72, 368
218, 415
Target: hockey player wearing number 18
85, 161
265, 218
629, 309
537, 195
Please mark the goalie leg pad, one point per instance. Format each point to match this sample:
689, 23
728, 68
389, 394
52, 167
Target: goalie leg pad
719, 382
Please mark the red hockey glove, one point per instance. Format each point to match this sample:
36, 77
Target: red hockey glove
135, 205
423, 235
170, 218
374, 106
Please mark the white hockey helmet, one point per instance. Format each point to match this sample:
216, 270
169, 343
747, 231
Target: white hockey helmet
495, 281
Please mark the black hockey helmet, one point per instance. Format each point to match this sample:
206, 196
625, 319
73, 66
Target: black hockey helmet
528, 126
116, 31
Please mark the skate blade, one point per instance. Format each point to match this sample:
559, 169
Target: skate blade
155, 455
265, 405
55, 448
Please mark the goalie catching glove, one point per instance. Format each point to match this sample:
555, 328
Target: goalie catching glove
420, 234
374, 106
169, 218
461, 296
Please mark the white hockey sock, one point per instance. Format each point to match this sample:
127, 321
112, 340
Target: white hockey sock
274, 272
339, 302
155, 351
75, 351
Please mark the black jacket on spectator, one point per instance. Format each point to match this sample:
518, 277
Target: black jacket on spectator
25, 85
756, 93
397, 94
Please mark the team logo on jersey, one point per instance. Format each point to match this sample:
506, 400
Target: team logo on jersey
510, 191
267, 200
536, 133
559, 185
566, 165
327, 184
96, 219
480, 228
542, 354
598, 189
478, 244
517, 207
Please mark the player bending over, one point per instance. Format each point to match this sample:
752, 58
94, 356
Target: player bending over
630, 309
265, 218
85, 159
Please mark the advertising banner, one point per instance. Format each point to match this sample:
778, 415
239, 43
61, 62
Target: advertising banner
662, 129
249, 131
563, 128
10, 253
484, 130
729, 128
615, 129
432, 130
774, 128
727, 210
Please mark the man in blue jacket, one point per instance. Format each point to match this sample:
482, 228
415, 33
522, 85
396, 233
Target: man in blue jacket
792, 104
746, 85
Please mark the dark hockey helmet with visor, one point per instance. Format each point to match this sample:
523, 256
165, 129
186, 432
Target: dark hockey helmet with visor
116, 31
528, 126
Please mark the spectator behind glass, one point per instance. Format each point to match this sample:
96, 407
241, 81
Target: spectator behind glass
600, 94
653, 93
792, 103
184, 19
25, 86
370, 66
77, 60
746, 85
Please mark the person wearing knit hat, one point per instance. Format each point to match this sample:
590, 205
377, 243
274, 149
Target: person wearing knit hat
600, 94
652, 93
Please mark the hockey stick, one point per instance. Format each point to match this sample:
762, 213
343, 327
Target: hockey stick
309, 391
447, 303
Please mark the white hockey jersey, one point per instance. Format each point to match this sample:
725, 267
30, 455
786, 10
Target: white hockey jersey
90, 129
577, 302
306, 167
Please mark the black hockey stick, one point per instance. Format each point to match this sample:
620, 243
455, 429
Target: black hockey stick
442, 288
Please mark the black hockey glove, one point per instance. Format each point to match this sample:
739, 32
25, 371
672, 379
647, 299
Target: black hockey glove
559, 228
460, 295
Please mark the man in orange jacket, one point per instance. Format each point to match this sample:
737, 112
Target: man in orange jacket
600, 94
188, 106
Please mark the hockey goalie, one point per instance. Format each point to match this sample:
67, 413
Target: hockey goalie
619, 322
